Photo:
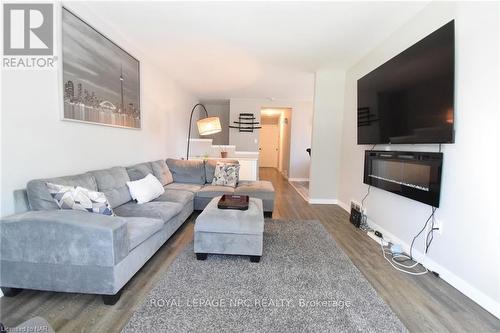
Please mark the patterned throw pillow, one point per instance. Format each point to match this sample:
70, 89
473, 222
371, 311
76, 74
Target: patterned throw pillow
226, 174
79, 198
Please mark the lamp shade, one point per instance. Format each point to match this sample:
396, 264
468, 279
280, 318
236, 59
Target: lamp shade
210, 125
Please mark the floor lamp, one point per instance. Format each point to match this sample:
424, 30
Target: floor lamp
206, 126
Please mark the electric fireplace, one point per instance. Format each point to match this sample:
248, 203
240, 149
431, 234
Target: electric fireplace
415, 175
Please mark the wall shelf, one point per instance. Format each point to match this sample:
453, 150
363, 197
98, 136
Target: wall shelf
246, 123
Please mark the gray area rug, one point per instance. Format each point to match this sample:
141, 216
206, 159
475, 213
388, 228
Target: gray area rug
303, 283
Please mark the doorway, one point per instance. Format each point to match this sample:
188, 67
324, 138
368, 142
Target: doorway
269, 145
274, 139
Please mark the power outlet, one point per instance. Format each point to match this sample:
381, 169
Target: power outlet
438, 225
358, 207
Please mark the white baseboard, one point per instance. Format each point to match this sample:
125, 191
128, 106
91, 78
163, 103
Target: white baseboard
344, 206
298, 179
461, 285
318, 201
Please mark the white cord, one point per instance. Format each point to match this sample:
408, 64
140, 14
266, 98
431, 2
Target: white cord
401, 263
392, 262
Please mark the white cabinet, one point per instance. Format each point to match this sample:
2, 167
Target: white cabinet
249, 169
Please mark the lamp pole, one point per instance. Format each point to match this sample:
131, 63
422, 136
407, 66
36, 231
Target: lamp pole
190, 123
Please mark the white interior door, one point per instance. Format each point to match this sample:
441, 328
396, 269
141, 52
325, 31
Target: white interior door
269, 146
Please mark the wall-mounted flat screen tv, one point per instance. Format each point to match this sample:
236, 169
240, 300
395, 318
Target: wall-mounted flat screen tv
410, 98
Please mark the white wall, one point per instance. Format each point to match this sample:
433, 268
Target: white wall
466, 254
300, 135
36, 143
326, 136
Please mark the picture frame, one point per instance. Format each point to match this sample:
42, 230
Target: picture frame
100, 80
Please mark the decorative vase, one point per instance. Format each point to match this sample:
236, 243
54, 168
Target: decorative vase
223, 154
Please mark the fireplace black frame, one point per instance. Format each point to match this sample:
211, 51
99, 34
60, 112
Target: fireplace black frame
430, 196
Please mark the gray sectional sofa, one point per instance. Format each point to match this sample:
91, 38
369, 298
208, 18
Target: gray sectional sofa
46, 248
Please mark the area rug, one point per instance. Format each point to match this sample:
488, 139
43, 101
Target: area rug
303, 283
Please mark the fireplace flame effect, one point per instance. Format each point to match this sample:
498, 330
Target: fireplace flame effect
418, 187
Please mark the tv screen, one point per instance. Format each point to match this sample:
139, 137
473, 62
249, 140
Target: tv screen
409, 99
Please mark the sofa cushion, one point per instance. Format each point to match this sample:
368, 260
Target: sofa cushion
179, 196
162, 172
79, 198
139, 171
39, 197
210, 167
262, 189
113, 183
139, 229
184, 187
187, 171
155, 209
210, 191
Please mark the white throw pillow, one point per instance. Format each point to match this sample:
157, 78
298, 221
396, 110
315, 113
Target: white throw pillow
145, 189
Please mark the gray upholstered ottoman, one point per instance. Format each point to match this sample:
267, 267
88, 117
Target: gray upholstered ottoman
229, 231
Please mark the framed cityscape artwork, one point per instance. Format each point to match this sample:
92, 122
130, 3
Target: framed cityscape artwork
101, 80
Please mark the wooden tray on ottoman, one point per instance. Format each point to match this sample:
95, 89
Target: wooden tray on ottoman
230, 201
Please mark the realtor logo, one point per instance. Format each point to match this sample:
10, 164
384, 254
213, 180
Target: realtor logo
28, 29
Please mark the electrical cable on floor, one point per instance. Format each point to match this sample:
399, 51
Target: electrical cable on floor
396, 258
404, 268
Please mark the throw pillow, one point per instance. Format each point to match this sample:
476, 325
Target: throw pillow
210, 167
226, 174
162, 172
79, 198
145, 189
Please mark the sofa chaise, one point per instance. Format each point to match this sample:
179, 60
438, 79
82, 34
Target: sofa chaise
46, 248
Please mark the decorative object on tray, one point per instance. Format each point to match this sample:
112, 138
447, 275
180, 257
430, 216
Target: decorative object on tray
226, 174
246, 123
101, 80
230, 201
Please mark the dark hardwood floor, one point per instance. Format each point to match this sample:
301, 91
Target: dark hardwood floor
423, 303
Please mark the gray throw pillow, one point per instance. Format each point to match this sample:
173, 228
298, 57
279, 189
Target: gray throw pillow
79, 198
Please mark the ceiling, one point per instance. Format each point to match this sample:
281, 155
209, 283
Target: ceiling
221, 50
